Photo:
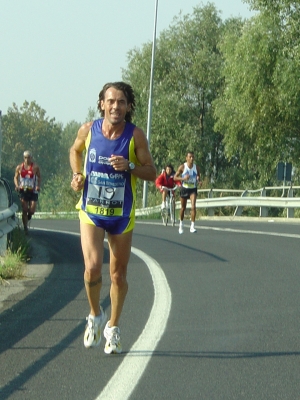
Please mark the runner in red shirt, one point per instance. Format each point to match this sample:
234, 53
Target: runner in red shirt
27, 181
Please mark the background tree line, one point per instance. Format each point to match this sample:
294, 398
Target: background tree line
228, 90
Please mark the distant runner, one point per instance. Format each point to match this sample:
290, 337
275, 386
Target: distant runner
27, 182
189, 176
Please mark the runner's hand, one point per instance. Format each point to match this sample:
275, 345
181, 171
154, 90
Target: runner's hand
77, 182
119, 163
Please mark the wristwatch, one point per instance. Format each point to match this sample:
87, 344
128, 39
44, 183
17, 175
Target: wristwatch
131, 166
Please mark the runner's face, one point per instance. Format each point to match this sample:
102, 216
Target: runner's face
115, 106
190, 158
27, 159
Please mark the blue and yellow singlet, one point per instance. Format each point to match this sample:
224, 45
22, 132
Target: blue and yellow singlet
108, 194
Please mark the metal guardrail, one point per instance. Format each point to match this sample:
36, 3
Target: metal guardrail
53, 214
8, 222
7, 213
262, 201
6, 192
239, 202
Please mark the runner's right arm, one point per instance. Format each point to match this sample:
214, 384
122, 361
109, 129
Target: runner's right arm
16, 177
76, 156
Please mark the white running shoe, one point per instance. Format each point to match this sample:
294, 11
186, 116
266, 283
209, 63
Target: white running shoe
92, 334
163, 205
113, 344
180, 230
192, 229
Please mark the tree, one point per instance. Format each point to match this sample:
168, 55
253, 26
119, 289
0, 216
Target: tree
28, 128
57, 195
186, 81
259, 128
68, 136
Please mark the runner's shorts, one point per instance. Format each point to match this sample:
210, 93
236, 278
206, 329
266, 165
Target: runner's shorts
115, 226
28, 195
186, 193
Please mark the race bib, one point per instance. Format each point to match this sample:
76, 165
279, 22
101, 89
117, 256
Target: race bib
189, 185
27, 183
105, 195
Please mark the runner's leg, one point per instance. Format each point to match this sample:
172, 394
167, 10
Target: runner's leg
193, 198
25, 206
183, 207
31, 209
92, 247
120, 249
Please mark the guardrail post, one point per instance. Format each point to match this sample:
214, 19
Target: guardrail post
263, 211
211, 211
290, 211
239, 209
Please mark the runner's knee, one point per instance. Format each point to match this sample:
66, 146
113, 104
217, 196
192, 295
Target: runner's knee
92, 274
118, 278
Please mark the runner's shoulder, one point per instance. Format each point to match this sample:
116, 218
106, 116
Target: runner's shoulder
84, 129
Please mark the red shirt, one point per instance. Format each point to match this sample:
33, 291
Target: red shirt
27, 178
27, 173
164, 180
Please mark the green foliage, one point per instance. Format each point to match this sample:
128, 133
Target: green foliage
18, 243
11, 266
186, 81
68, 136
57, 195
286, 7
28, 128
227, 90
259, 128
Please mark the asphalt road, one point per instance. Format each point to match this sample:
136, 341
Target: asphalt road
211, 315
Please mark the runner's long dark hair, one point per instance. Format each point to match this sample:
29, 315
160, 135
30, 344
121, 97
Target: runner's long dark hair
128, 92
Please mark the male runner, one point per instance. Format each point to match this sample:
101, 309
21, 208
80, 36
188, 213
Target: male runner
117, 154
189, 175
27, 182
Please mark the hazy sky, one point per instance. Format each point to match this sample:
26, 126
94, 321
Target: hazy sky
60, 53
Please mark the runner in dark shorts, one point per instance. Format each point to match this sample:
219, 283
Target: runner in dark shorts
189, 176
27, 182
28, 196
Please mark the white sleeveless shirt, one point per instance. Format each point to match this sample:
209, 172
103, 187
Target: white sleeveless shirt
191, 183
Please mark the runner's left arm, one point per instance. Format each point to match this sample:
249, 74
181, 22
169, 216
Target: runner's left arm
39, 179
146, 170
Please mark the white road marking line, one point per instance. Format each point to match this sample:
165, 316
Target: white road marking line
290, 235
132, 367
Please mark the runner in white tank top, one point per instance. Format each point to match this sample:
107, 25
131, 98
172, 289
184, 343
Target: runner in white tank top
189, 175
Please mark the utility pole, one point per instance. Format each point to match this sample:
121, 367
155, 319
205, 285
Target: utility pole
145, 191
0, 141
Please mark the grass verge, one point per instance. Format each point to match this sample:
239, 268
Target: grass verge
13, 261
